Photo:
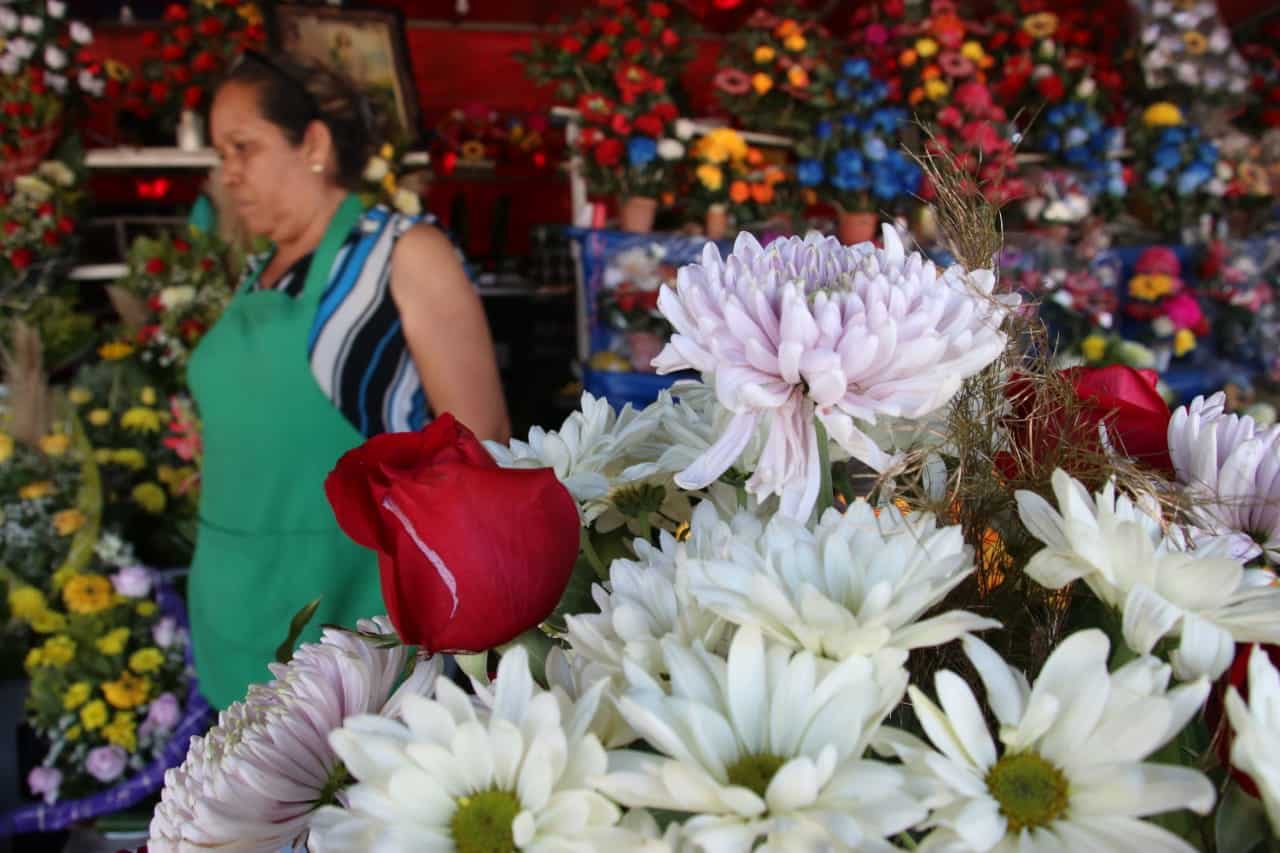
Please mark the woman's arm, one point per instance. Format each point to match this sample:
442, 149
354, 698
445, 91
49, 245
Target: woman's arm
447, 332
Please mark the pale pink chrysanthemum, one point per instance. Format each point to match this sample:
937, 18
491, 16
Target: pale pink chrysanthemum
254, 781
809, 328
1231, 469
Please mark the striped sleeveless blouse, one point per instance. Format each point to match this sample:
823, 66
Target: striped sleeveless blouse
357, 348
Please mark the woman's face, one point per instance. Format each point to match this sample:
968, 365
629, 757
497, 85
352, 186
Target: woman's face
263, 173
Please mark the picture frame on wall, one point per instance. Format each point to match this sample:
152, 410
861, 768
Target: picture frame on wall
366, 45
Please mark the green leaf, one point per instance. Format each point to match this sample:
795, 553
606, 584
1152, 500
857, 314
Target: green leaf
577, 594
476, 666
284, 652
1240, 824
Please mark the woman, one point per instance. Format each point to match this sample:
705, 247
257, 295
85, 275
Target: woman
355, 322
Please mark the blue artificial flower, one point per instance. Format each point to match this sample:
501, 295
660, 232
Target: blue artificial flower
1076, 137
1052, 142
1116, 187
848, 159
1195, 176
1174, 135
809, 172
874, 148
1157, 178
851, 123
1167, 158
1207, 153
844, 89
857, 68
1077, 156
1056, 115
641, 150
885, 120
822, 130
850, 181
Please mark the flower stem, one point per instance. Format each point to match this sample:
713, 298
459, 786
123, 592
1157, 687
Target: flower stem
589, 551
826, 499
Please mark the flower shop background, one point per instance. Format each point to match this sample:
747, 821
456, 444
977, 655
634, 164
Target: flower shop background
1138, 219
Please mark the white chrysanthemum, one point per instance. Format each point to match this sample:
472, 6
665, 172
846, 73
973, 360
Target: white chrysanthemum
647, 600
589, 453
1256, 748
854, 585
456, 775
252, 783
1231, 469
766, 744
810, 328
1070, 774
1120, 550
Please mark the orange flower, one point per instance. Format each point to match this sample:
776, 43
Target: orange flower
787, 28
761, 82
739, 192
668, 199
810, 197
773, 175
916, 96
907, 58
755, 157
949, 29
762, 193
931, 72
797, 76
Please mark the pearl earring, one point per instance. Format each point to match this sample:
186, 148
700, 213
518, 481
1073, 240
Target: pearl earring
317, 168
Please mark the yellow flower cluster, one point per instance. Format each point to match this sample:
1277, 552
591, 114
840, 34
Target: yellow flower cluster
76, 695
94, 715
113, 642
79, 395
26, 602
68, 521
56, 652
115, 350
88, 594
121, 731
56, 444
100, 417
150, 497
146, 660
141, 419
128, 691
721, 146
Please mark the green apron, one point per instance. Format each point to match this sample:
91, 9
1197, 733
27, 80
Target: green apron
268, 542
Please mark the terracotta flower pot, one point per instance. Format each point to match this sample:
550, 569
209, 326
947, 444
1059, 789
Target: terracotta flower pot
636, 214
643, 348
857, 226
717, 225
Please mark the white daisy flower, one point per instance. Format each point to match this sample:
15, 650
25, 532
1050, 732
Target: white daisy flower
1231, 469
589, 453
768, 743
56, 82
9, 64
9, 20
1256, 748
855, 585
253, 782
1069, 773
670, 149
805, 329
56, 8
458, 776
21, 48
1163, 589
32, 25
80, 34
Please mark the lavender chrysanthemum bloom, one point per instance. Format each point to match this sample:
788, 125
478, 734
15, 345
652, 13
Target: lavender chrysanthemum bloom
254, 781
1231, 469
811, 328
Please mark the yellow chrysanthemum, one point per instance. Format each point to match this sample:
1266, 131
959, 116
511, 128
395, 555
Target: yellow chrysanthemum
795, 43
74, 733
1184, 341
102, 456
87, 594
79, 396
26, 602
100, 417
936, 89
58, 651
113, 642
55, 445
48, 622
129, 458
6, 446
710, 176
94, 715
128, 691
35, 491
1195, 42
145, 608
1093, 348
797, 77
146, 660
150, 496
972, 50
926, 47
33, 659
147, 396
115, 350
761, 82
1162, 114
764, 53
76, 695
63, 574
1041, 25
141, 419
121, 732
68, 521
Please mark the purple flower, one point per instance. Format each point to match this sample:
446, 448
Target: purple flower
163, 713
164, 631
44, 782
132, 581
106, 763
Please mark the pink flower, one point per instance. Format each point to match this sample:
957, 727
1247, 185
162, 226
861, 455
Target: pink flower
132, 581
973, 97
106, 763
164, 632
1184, 311
162, 715
955, 64
733, 81
45, 782
876, 35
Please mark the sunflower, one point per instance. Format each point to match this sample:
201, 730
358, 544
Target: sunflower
87, 594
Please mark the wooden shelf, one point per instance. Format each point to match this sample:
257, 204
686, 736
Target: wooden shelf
150, 158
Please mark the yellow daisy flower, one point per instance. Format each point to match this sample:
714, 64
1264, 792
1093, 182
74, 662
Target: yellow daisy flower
127, 691
94, 715
87, 594
55, 445
100, 417
79, 395
150, 496
121, 732
35, 491
710, 176
48, 622
58, 651
26, 602
76, 695
146, 660
68, 521
113, 642
141, 419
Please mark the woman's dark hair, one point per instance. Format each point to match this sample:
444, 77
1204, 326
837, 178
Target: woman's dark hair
292, 93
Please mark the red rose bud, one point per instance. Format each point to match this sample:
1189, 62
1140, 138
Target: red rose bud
204, 62
175, 12
644, 27
192, 97
610, 27
51, 238
608, 152
670, 38
171, 52
649, 125
184, 34
45, 209
619, 124
11, 227
180, 74
1051, 88
659, 10
631, 47
21, 258
155, 266
12, 108
470, 554
211, 27
206, 264
570, 44
147, 333
180, 245
599, 52
158, 91
150, 39
66, 224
